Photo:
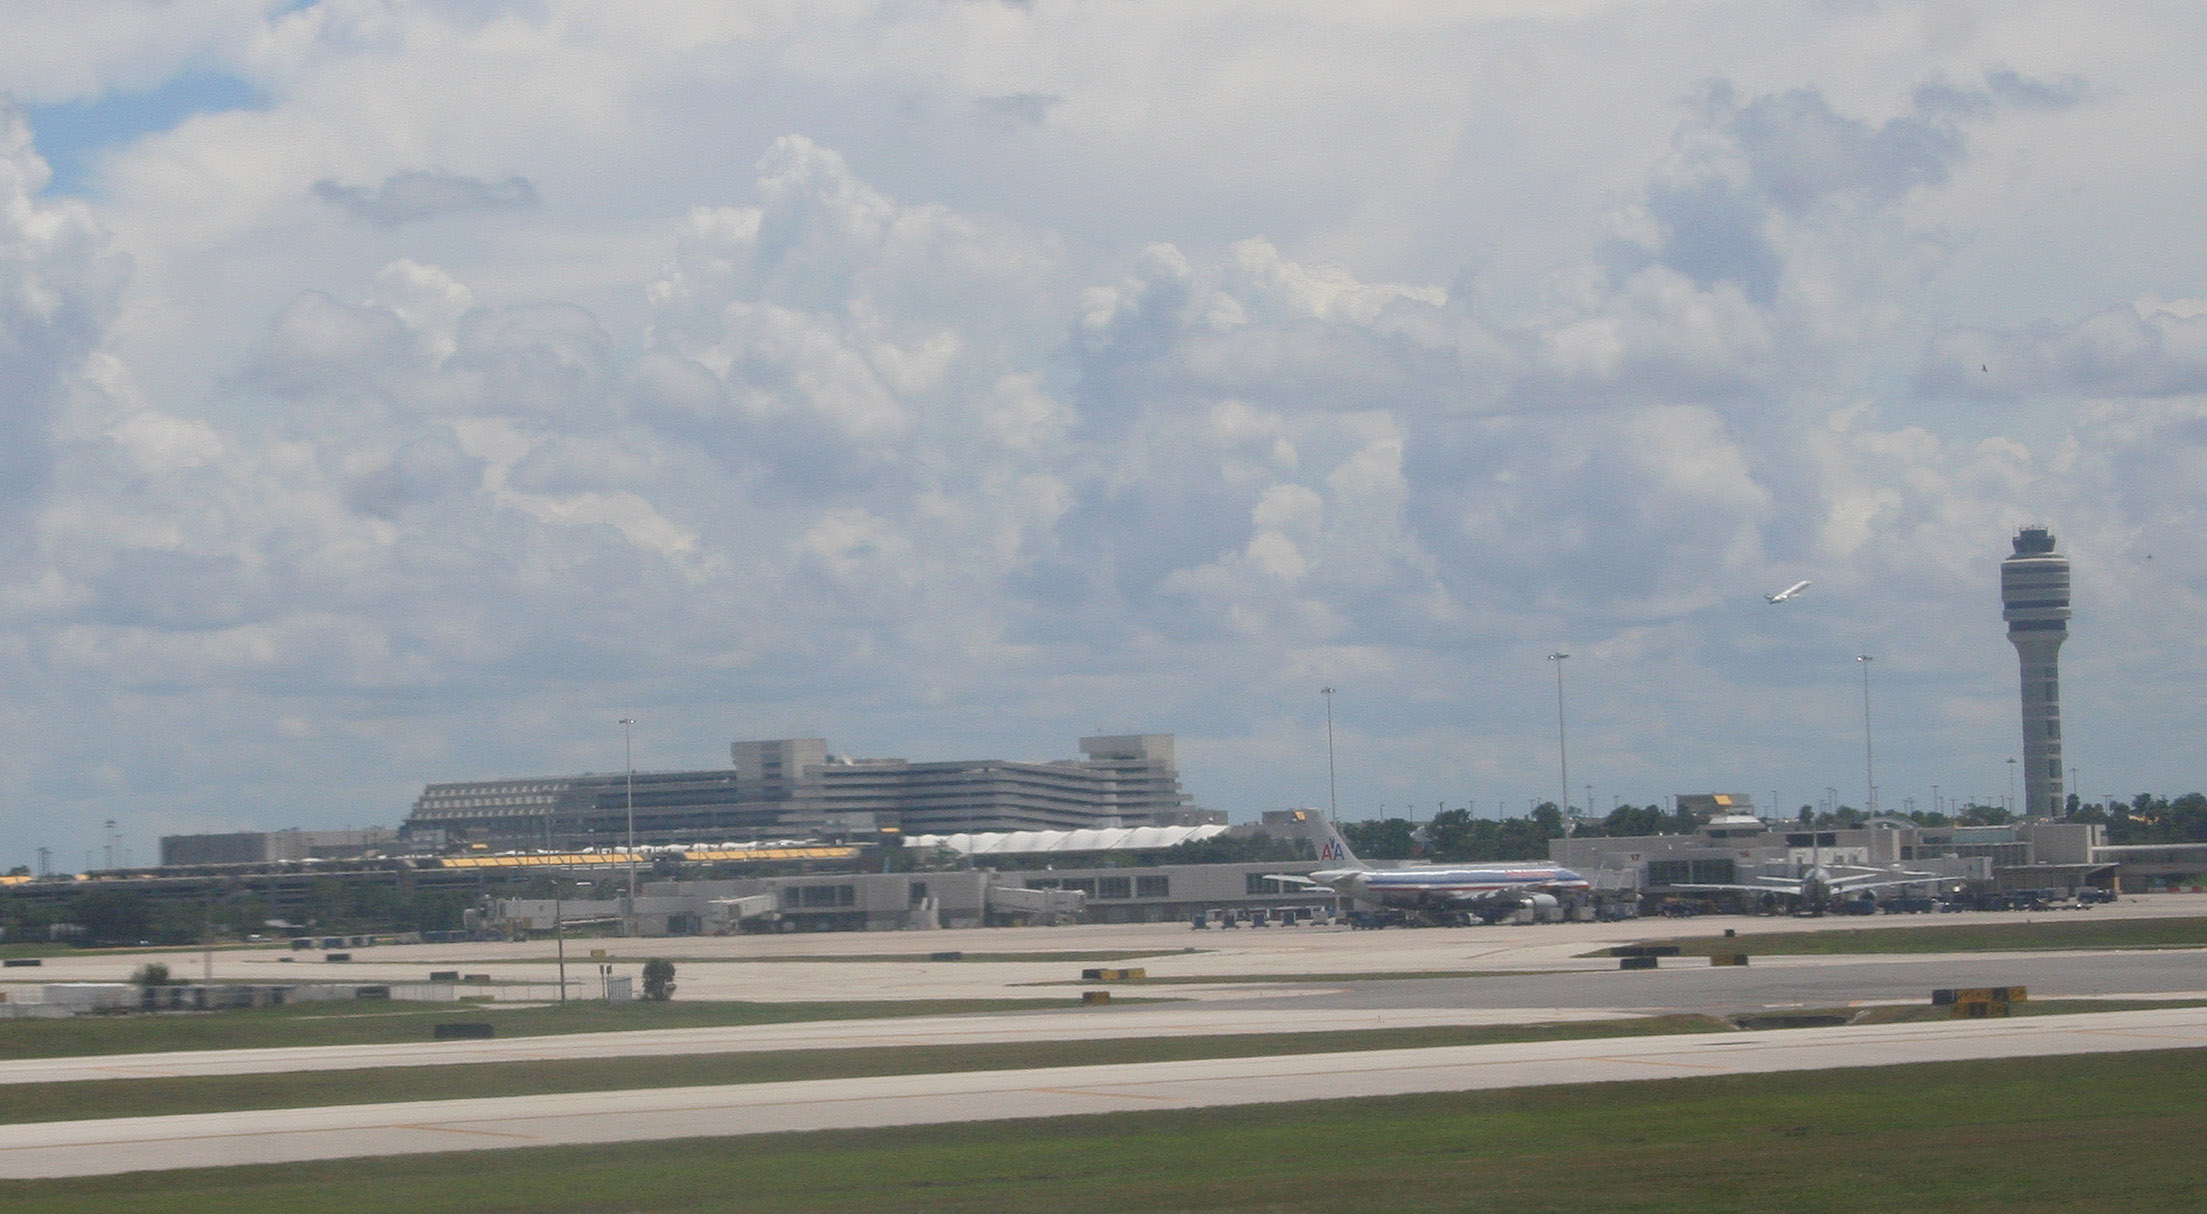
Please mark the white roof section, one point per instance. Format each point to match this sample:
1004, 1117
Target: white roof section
1029, 842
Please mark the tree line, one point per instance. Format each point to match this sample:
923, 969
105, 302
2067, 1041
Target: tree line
1455, 836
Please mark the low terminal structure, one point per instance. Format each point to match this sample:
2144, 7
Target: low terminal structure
1738, 848
269, 846
952, 898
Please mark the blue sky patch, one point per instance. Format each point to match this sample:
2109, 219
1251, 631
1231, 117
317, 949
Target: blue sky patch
73, 135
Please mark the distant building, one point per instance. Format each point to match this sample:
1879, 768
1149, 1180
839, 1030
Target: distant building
794, 788
2034, 600
1711, 805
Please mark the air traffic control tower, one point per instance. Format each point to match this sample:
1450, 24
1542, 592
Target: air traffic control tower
2034, 599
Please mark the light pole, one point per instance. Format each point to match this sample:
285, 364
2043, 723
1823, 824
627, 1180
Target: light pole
628, 760
2011, 784
1333, 794
1869, 764
1563, 753
1935, 802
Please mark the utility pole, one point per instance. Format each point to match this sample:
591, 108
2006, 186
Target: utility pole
1563, 751
1333, 802
628, 759
1869, 764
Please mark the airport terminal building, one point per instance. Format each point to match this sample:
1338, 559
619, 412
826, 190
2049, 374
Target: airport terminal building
795, 788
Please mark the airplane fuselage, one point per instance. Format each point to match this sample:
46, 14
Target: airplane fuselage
1423, 887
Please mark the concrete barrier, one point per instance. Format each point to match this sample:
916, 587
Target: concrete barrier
1644, 950
1636, 963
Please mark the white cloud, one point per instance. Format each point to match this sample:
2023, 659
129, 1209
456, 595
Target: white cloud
949, 378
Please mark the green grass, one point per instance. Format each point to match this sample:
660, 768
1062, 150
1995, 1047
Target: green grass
2073, 930
2115, 1132
227, 1093
356, 1022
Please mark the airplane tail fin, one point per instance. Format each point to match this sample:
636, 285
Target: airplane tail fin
1332, 848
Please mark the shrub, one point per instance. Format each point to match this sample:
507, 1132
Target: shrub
659, 979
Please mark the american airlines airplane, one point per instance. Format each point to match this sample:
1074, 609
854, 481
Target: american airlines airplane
1488, 891
1787, 593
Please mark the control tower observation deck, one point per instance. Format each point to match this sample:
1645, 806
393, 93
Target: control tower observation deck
2034, 600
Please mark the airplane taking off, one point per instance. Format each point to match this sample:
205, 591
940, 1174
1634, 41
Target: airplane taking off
1787, 593
1489, 891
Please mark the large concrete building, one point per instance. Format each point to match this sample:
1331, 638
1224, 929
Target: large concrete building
793, 787
2034, 600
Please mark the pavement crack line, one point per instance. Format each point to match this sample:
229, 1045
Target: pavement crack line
1105, 1092
430, 1127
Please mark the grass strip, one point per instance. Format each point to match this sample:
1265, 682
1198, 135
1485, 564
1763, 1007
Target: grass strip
2003, 1135
230, 1093
1969, 937
374, 1022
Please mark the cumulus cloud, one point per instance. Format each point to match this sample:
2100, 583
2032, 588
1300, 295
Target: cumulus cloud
58, 290
413, 195
957, 403
2146, 349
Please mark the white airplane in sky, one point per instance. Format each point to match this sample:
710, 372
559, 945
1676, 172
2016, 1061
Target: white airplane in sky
1786, 593
1489, 891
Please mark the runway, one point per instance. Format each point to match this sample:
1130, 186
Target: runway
1687, 985
1072, 1024
84, 1148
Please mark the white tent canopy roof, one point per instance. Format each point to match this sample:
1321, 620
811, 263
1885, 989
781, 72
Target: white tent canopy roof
1025, 842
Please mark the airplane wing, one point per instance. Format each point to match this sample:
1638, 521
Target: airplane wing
1880, 880
1296, 879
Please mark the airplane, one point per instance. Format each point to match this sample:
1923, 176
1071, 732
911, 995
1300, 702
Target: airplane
1818, 886
1787, 593
1491, 892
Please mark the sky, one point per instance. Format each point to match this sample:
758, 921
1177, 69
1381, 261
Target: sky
406, 392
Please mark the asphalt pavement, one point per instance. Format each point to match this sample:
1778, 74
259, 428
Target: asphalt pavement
82, 1148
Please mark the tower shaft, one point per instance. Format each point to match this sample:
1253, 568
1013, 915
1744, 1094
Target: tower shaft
2034, 600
